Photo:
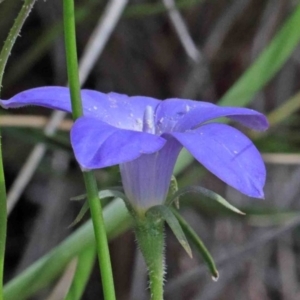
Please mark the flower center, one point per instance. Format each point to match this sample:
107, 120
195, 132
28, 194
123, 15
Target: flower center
148, 120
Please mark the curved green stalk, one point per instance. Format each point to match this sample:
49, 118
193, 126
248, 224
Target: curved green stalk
13, 34
35, 278
89, 179
3, 222
5, 52
100, 236
84, 268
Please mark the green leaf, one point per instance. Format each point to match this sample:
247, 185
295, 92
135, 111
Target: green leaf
173, 189
192, 235
114, 192
208, 193
111, 193
165, 213
272, 219
267, 64
81, 214
78, 198
83, 272
259, 73
285, 110
35, 278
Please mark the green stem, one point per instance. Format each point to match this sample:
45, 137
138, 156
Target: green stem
100, 235
71, 55
3, 222
89, 179
13, 34
150, 237
5, 52
85, 263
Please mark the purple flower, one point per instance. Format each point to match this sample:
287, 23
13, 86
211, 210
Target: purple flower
145, 135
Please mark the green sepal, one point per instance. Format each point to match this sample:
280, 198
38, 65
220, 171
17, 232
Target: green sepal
208, 193
79, 197
109, 193
165, 213
198, 243
81, 214
173, 189
114, 192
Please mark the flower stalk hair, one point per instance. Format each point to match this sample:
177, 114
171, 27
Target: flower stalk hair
144, 136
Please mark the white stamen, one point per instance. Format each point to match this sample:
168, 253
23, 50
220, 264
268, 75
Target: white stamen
148, 120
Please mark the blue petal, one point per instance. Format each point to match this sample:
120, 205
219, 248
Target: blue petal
115, 109
181, 114
97, 144
170, 111
121, 110
146, 180
247, 117
228, 154
53, 97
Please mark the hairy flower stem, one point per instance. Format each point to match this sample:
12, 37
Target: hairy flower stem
3, 221
150, 237
89, 179
5, 52
13, 34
